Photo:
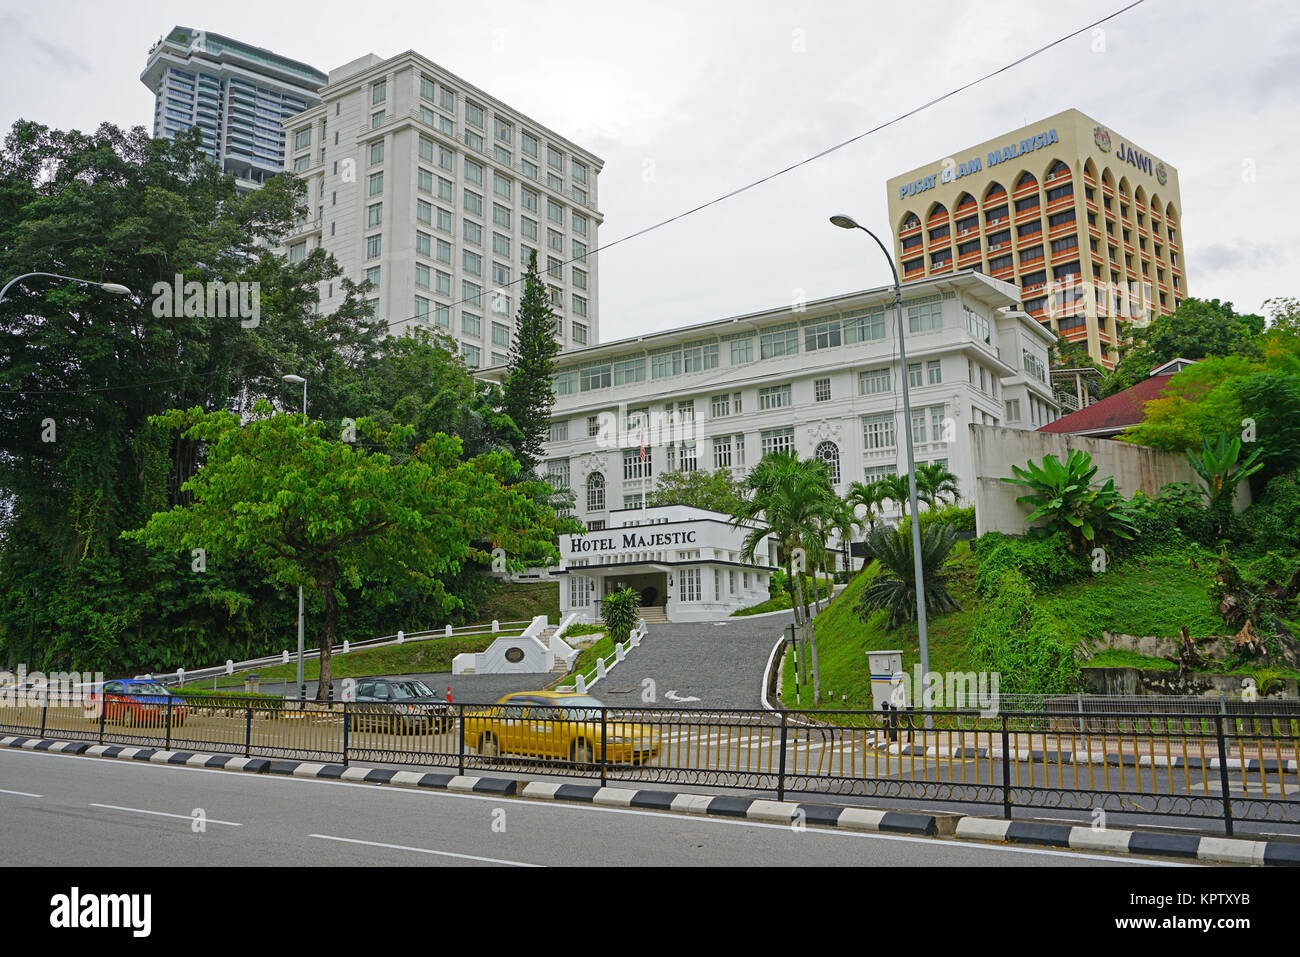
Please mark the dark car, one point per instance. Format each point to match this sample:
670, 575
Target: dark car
134, 701
398, 706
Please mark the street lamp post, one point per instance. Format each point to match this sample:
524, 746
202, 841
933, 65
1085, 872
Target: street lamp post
110, 287
847, 222
302, 685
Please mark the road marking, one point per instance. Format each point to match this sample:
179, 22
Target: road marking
424, 850
26, 794
183, 817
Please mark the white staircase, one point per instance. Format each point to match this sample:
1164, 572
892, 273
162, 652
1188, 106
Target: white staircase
654, 614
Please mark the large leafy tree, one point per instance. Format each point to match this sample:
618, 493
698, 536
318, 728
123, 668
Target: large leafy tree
700, 488
327, 515
528, 395
934, 482
1195, 330
82, 373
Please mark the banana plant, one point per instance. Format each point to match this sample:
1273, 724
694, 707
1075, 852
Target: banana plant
1221, 471
1066, 500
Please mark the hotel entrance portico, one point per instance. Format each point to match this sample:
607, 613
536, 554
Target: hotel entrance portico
684, 563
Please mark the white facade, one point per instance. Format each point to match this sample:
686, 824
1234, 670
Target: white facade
824, 380
437, 193
687, 561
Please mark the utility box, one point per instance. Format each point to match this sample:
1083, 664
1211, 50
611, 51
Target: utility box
886, 675
252, 683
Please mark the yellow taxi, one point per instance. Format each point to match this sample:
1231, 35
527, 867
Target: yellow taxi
559, 726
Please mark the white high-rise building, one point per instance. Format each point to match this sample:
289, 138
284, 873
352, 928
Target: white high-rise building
237, 95
437, 193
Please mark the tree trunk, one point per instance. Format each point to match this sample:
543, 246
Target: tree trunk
794, 610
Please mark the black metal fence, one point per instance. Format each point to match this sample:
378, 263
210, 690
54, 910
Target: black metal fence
1229, 767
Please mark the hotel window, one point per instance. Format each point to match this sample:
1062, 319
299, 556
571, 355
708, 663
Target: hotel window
665, 362
529, 169
629, 371
501, 274
445, 189
722, 452
934, 371
501, 186
579, 334
634, 466
579, 224
470, 354
530, 199
914, 376
1013, 410
473, 114
579, 591
774, 397
500, 245
442, 283
374, 246
555, 240
978, 325
500, 302
742, 350
822, 390
421, 308
873, 382
442, 250
689, 579
555, 159
473, 172
422, 275
471, 292
925, 317
427, 89
471, 325
471, 262
302, 139
579, 172
829, 453
918, 425
698, 358
377, 120
298, 252
579, 279
424, 181
776, 441
595, 492
473, 203
376, 153
472, 232
555, 212
557, 296
821, 335
579, 251
580, 309
529, 228
878, 431
720, 406
378, 92
526, 253
560, 433
302, 163
688, 459
423, 244
862, 325
501, 337
423, 212
783, 341
595, 377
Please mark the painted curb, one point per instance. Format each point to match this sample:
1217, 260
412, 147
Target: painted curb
962, 827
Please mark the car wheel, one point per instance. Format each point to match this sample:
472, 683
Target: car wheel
580, 752
488, 746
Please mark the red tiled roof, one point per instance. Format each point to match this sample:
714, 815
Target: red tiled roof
1113, 413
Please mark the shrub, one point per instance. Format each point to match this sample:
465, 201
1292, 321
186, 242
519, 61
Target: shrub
1065, 500
1156, 526
1273, 523
894, 589
1044, 562
959, 519
1031, 650
620, 612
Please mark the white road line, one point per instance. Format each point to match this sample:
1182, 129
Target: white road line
183, 817
26, 794
424, 850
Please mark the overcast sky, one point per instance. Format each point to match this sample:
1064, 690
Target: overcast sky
686, 101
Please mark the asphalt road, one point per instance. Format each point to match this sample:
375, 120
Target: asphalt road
68, 811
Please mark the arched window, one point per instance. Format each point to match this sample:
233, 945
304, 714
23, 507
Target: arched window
829, 453
910, 220
1026, 179
595, 492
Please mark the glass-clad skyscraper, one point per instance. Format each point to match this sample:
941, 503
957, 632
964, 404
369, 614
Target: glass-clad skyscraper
238, 96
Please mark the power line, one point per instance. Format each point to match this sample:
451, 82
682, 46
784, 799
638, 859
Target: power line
831, 149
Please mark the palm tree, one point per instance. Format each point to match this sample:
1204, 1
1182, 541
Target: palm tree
933, 482
871, 496
786, 498
896, 489
894, 589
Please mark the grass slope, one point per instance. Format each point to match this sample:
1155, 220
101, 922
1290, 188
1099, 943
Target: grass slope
522, 601
1147, 596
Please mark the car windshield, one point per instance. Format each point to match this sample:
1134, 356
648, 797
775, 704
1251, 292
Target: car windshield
411, 689
580, 706
146, 687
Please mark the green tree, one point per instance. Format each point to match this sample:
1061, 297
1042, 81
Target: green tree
528, 395
894, 589
716, 490
897, 488
1197, 329
620, 611
933, 483
1030, 650
323, 515
870, 497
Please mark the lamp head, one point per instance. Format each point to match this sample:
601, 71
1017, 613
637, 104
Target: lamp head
295, 379
844, 222
115, 288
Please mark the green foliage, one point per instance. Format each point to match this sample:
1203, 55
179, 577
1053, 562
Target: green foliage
1045, 562
871, 497
527, 394
933, 483
1030, 649
1066, 501
897, 489
716, 490
620, 612
1274, 520
960, 519
894, 589
1221, 468
1197, 329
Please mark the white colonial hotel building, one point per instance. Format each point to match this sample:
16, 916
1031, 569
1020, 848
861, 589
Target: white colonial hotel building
819, 380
